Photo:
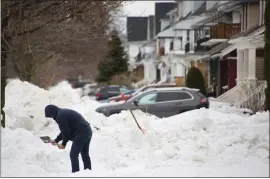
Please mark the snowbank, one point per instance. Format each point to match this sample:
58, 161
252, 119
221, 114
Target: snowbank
201, 143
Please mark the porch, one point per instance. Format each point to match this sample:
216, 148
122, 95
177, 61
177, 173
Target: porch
250, 82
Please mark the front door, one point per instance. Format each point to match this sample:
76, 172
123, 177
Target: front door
223, 75
232, 74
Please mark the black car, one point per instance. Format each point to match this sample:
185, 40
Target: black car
162, 102
110, 91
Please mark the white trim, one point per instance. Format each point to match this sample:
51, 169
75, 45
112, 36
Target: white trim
232, 58
228, 50
213, 42
216, 55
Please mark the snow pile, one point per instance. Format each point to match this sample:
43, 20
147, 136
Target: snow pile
196, 143
227, 108
25, 103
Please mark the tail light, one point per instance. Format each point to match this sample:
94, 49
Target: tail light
98, 94
123, 97
203, 101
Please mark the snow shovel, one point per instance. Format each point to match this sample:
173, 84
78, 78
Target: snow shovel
137, 122
46, 139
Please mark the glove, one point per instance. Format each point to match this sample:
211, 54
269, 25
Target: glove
53, 142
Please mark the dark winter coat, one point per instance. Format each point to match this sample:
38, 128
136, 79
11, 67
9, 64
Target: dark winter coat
69, 121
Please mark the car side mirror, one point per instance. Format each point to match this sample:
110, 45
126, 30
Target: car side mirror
136, 102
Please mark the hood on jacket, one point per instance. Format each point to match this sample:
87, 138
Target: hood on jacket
51, 111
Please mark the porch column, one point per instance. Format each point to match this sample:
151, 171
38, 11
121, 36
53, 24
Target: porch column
240, 66
252, 65
245, 64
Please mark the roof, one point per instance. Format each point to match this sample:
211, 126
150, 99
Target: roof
200, 10
161, 9
174, 10
133, 32
151, 24
184, 23
219, 8
167, 32
189, 21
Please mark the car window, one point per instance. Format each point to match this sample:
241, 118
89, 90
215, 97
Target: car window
123, 90
172, 96
148, 99
102, 90
113, 90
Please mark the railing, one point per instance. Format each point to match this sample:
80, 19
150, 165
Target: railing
199, 47
255, 98
224, 31
230, 92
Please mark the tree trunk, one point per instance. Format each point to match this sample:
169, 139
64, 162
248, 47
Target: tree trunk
267, 52
4, 51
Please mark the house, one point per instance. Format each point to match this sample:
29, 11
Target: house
250, 86
211, 37
234, 51
142, 47
172, 41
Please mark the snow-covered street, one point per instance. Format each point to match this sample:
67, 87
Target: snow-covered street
216, 142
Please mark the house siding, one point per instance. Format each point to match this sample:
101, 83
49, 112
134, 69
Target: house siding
262, 9
210, 4
260, 68
180, 8
253, 12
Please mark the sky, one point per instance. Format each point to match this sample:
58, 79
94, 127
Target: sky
140, 8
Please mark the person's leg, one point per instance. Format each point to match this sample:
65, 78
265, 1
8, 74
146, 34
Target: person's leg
76, 148
85, 151
85, 155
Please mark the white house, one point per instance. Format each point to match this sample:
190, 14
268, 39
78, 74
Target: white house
178, 37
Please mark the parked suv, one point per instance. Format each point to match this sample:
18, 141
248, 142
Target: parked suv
110, 91
142, 89
162, 102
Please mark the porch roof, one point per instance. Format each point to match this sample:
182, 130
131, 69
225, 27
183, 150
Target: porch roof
256, 30
189, 22
226, 47
184, 24
217, 8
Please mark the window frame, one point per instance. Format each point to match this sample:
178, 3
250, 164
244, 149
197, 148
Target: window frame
192, 97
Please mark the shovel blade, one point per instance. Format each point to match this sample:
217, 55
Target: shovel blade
46, 139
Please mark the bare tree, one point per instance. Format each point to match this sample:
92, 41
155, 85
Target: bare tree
36, 32
39, 31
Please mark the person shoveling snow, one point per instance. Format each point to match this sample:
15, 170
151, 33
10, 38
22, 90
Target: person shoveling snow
73, 127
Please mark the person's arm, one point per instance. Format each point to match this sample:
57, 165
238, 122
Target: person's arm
65, 129
58, 138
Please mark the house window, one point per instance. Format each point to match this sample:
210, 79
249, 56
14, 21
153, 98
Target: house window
262, 4
181, 40
188, 35
171, 45
246, 16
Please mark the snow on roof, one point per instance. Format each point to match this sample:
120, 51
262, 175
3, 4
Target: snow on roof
167, 33
183, 24
187, 23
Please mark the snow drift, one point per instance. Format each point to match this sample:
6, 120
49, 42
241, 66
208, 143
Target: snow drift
218, 142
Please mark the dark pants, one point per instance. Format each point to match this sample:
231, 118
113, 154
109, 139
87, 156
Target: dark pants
81, 144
